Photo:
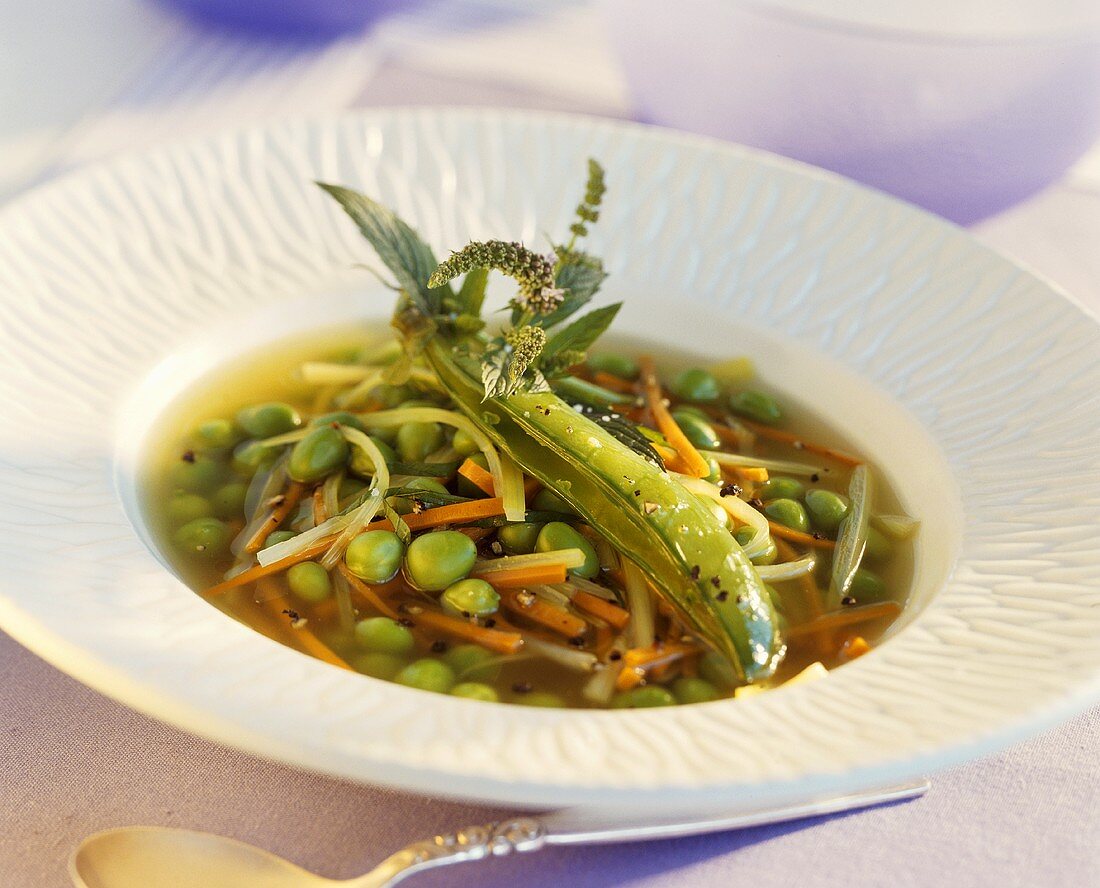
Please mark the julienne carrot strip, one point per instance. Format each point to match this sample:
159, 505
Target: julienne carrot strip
493, 639
798, 444
556, 619
855, 646
638, 661
303, 637
796, 536
520, 577
456, 513
755, 474
260, 571
691, 462
850, 616
477, 476
477, 534
613, 383
369, 593
281, 508
605, 610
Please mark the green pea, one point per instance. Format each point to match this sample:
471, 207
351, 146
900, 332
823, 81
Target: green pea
878, 547
278, 536
375, 556
229, 500
384, 635
695, 385
465, 486
380, 353
403, 504
379, 664
207, 537
519, 539
744, 536
646, 697
756, 405
250, 456
615, 364
548, 501
215, 434
542, 699
714, 470
692, 410
472, 662
475, 690
196, 473
558, 535
781, 488
340, 417
362, 465
389, 396
470, 597
717, 670
350, 487
309, 581
867, 587
320, 453
436, 560
698, 431
464, 444
826, 509
268, 420
184, 507
427, 675
693, 690
416, 440
788, 512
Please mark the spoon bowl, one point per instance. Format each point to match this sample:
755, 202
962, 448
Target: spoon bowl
161, 857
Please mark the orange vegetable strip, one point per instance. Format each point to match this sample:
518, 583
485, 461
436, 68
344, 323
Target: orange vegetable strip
554, 618
260, 571
856, 646
477, 534
797, 536
305, 639
493, 639
519, 577
755, 474
850, 616
692, 463
278, 515
477, 476
455, 513
613, 383
798, 444
369, 593
806, 581
729, 435
605, 610
638, 661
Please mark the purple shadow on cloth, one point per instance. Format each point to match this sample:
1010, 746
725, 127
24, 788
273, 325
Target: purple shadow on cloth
962, 125
603, 866
294, 19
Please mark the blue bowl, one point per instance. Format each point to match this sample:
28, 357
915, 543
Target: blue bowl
293, 19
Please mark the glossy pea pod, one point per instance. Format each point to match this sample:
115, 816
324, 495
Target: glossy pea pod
670, 533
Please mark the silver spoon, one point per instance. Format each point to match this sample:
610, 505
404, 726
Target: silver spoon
161, 857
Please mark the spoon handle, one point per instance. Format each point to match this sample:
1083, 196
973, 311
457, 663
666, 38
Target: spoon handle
472, 843
595, 826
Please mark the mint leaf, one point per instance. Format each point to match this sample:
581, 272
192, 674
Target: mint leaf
579, 335
398, 246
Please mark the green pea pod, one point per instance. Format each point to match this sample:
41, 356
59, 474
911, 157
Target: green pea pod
667, 531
